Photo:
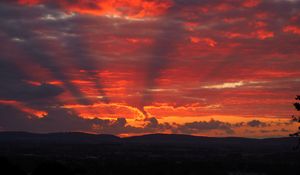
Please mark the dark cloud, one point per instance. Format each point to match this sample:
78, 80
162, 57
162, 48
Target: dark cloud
269, 131
15, 120
57, 120
203, 126
15, 87
275, 130
35, 45
256, 123
28, 92
152, 123
161, 55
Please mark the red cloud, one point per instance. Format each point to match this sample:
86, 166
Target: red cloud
264, 34
208, 41
126, 8
251, 3
22, 107
292, 29
122, 55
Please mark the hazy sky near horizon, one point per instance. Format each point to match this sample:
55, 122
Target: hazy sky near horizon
128, 67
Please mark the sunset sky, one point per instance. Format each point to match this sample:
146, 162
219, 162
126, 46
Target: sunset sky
131, 67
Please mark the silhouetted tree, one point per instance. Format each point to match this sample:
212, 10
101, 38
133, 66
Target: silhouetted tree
297, 119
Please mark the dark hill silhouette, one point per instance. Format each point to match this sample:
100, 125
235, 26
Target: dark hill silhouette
67, 137
85, 138
180, 138
160, 138
161, 154
216, 143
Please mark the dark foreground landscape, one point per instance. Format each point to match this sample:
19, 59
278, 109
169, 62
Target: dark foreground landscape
157, 154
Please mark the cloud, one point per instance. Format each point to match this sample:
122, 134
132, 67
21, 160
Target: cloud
256, 123
43, 91
113, 8
57, 120
251, 3
64, 120
208, 41
139, 56
292, 29
225, 85
15, 87
202, 126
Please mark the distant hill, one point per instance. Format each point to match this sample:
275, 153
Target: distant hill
162, 138
177, 139
267, 143
67, 137
82, 143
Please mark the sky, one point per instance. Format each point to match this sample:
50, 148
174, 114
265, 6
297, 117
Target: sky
221, 68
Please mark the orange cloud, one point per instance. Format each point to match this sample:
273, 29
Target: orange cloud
193, 109
260, 34
102, 110
208, 41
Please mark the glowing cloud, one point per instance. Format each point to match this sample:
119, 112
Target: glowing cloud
208, 41
102, 110
292, 29
264, 34
225, 85
22, 107
112, 8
